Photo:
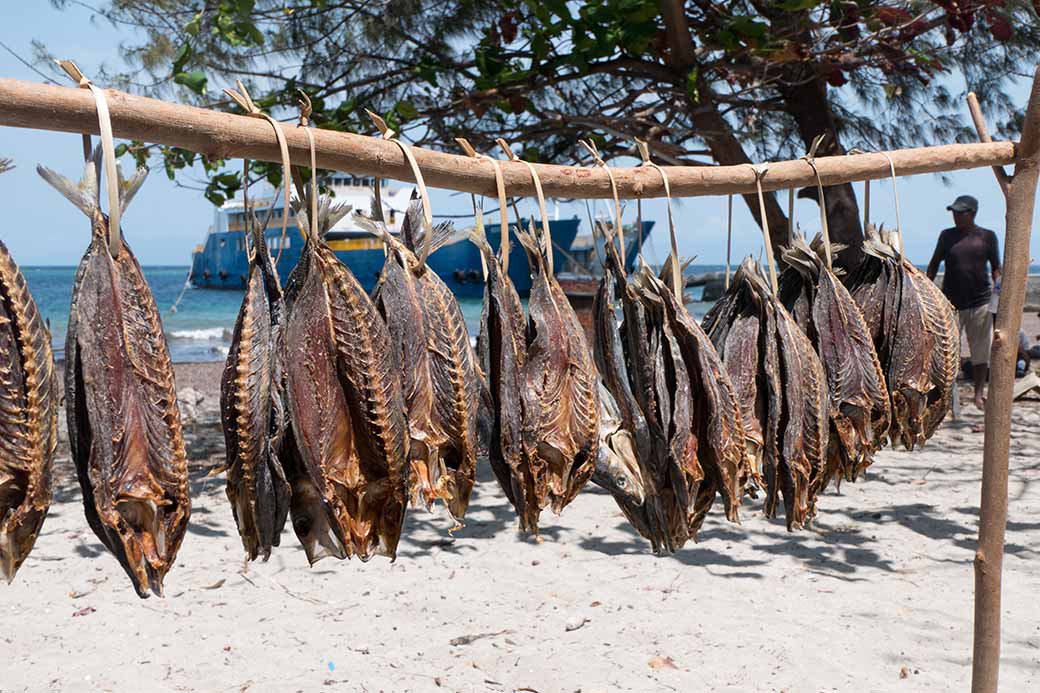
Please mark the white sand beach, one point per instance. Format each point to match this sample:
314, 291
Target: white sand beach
877, 597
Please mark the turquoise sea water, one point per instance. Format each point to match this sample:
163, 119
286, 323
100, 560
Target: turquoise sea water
201, 328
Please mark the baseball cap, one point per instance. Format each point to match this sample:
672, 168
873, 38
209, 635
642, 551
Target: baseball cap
964, 203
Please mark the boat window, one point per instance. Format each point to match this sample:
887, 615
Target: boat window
223, 242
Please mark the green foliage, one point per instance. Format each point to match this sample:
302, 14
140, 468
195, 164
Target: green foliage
194, 80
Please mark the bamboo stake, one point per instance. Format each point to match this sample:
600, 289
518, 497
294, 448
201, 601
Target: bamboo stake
989, 557
46, 107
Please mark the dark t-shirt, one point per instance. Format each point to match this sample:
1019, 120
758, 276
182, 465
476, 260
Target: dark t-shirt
965, 253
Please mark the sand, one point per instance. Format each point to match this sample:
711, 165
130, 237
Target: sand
877, 597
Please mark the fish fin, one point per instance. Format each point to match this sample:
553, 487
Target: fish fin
836, 248
83, 195
128, 187
802, 259
413, 230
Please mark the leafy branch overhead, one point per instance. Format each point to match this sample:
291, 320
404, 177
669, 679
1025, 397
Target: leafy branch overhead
705, 82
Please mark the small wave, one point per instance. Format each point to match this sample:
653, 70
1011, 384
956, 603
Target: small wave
209, 334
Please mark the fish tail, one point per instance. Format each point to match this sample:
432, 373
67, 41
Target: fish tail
531, 247
446, 234
477, 238
128, 187
376, 228
84, 194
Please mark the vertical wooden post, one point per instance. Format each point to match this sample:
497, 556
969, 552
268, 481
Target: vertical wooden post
989, 557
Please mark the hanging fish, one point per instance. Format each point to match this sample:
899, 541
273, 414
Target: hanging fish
641, 366
28, 418
503, 354
441, 380
622, 349
252, 409
915, 333
859, 403
717, 427
781, 388
561, 397
120, 399
347, 449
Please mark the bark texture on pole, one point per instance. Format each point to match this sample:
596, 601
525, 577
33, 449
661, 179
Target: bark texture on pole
989, 558
980, 127
44, 107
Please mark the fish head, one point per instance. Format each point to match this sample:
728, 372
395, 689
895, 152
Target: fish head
140, 514
310, 520
142, 533
617, 469
18, 532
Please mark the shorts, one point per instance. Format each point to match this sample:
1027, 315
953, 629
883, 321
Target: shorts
977, 325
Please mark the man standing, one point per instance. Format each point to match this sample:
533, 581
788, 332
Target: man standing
965, 249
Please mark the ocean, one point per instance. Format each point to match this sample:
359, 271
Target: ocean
200, 329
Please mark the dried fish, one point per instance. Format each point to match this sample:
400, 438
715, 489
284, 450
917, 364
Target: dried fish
252, 408
621, 351
441, 380
561, 408
915, 333
347, 450
716, 417
859, 403
782, 391
503, 354
676, 403
28, 418
543, 388
121, 403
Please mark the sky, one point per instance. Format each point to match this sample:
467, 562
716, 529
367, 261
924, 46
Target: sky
165, 221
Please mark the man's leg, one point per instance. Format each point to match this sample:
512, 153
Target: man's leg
978, 324
979, 373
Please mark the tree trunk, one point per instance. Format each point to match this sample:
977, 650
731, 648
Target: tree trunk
804, 93
725, 148
805, 99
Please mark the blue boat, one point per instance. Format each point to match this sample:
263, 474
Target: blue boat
221, 261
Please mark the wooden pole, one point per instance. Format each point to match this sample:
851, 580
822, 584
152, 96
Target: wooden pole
223, 135
989, 558
980, 127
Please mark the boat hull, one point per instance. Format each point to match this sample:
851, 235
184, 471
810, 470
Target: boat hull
222, 262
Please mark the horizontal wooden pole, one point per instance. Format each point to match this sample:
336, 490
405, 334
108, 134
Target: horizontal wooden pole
68, 109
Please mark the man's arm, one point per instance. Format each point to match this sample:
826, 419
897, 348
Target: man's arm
937, 257
994, 257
